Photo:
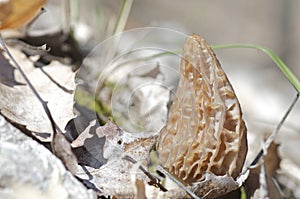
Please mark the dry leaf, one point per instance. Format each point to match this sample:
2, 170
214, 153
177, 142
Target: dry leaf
88, 147
109, 144
62, 149
204, 143
64, 48
140, 189
260, 185
288, 174
138, 99
272, 159
7, 72
55, 84
15, 13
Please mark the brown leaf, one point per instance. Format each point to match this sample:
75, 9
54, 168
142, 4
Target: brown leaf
20, 106
15, 13
272, 159
260, 185
140, 189
62, 149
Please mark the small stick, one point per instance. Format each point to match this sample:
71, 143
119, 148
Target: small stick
42, 11
165, 172
147, 173
275, 132
44, 103
39, 49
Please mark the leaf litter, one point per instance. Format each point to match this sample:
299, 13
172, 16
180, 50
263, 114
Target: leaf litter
100, 150
21, 106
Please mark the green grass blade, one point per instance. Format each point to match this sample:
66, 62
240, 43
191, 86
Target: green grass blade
123, 15
282, 66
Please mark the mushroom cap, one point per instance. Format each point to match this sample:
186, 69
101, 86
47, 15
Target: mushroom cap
205, 132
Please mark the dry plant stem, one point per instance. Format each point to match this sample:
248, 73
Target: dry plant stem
39, 49
42, 11
275, 132
147, 173
56, 83
44, 103
66, 17
165, 172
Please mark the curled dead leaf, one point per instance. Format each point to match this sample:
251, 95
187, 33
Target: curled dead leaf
15, 13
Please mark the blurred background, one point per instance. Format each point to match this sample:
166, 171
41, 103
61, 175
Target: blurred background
262, 88
272, 23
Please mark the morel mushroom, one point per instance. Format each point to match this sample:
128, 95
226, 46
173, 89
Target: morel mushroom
204, 142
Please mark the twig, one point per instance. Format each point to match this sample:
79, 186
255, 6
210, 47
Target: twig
44, 103
55, 82
38, 49
165, 172
275, 132
147, 173
28, 26
66, 17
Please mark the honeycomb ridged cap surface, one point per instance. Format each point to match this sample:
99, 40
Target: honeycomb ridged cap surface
205, 132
